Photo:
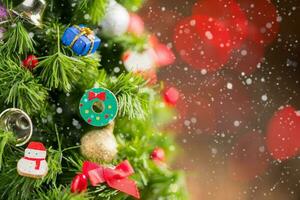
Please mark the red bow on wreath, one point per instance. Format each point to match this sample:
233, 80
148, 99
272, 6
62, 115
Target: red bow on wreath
101, 96
116, 178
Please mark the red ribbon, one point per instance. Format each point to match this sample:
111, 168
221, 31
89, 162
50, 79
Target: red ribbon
101, 96
116, 178
37, 161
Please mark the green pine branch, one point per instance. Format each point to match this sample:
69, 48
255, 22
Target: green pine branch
167, 185
59, 71
95, 9
6, 138
155, 182
46, 38
15, 186
128, 88
54, 159
17, 40
132, 5
19, 88
90, 73
12, 185
103, 192
59, 193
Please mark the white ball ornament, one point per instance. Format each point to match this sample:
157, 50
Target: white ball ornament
116, 19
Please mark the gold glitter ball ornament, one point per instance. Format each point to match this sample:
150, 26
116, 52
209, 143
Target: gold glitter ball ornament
99, 145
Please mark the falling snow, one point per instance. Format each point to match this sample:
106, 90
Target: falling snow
232, 85
209, 35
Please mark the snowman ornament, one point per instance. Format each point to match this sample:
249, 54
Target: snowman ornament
33, 164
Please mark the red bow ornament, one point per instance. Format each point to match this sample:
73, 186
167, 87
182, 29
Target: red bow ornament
101, 96
116, 178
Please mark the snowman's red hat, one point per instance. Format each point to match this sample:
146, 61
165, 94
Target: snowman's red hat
36, 146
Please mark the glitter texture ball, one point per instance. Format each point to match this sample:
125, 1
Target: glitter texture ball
99, 145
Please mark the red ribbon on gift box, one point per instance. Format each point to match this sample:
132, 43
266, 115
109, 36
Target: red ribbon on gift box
116, 178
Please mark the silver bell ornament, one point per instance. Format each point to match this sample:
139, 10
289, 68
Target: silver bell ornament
99, 145
17, 122
31, 10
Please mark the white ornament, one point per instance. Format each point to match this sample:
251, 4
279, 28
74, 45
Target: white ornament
33, 164
116, 19
139, 61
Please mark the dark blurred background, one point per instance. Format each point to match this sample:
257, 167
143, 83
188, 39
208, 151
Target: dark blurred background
226, 120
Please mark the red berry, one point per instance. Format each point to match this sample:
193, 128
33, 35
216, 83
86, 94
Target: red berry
171, 96
79, 183
158, 154
30, 62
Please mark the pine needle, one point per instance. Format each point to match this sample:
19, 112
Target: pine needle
15, 186
90, 73
128, 88
97, 10
59, 71
94, 8
6, 138
20, 88
17, 40
59, 193
104, 192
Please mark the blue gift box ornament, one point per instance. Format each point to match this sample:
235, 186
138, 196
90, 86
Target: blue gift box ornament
81, 39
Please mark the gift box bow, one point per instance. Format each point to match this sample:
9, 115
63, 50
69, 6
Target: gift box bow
116, 178
84, 31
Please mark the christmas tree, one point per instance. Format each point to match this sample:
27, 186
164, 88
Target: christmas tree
81, 118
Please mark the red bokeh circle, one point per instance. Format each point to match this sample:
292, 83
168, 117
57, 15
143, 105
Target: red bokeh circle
283, 133
202, 42
229, 14
263, 20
